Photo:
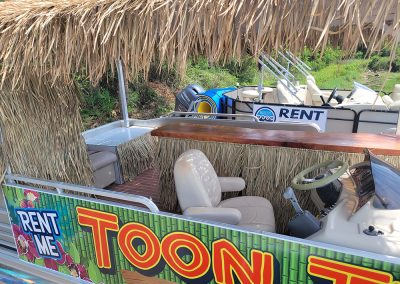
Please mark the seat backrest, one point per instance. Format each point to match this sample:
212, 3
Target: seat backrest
312, 88
311, 78
196, 181
395, 95
284, 96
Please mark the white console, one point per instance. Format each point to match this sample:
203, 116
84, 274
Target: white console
369, 229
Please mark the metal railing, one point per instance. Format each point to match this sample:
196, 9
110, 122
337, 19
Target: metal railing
299, 63
298, 66
280, 73
61, 186
207, 115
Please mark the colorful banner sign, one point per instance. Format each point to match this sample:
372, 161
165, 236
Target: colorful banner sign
111, 244
282, 113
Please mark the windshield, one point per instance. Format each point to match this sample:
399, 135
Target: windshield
377, 178
387, 182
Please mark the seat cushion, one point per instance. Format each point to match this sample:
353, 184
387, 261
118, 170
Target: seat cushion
257, 212
99, 160
250, 94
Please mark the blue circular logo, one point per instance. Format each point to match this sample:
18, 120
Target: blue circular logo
266, 114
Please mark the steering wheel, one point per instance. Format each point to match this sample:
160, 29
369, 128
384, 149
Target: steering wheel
299, 182
332, 95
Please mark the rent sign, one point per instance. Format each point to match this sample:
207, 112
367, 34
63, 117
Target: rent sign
102, 243
282, 113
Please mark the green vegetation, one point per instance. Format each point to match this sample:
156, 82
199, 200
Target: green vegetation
317, 61
341, 75
152, 98
98, 106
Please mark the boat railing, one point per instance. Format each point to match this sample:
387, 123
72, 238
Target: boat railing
298, 66
274, 70
208, 115
61, 187
299, 62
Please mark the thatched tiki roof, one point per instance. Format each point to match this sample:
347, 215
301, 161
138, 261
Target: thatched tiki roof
65, 37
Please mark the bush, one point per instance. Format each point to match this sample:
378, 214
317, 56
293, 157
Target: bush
164, 75
317, 61
378, 63
209, 77
97, 106
246, 71
142, 98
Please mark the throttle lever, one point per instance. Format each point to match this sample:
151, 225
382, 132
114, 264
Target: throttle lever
289, 195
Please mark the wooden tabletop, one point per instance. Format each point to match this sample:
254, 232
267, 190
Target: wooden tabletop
339, 142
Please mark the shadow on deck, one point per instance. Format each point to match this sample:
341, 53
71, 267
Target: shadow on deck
146, 184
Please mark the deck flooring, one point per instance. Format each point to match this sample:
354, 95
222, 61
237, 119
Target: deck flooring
146, 184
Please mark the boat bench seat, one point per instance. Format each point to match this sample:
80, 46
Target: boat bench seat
103, 165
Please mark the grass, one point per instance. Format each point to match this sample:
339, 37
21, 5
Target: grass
344, 73
209, 77
341, 75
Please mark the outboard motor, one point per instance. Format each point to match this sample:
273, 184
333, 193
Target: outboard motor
185, 99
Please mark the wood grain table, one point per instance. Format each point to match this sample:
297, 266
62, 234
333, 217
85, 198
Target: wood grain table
339, 142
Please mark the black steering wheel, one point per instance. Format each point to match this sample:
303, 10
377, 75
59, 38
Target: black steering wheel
332, 95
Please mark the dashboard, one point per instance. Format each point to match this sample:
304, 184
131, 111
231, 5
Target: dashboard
367, 213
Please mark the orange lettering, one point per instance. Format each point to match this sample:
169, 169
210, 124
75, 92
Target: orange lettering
227, 259
152, 253
100, 223
200, 262
344, 273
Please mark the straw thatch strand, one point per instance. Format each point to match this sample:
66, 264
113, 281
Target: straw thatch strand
63, 38
266, 170
137, 155
41, 128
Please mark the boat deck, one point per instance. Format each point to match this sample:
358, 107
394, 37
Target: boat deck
146, 184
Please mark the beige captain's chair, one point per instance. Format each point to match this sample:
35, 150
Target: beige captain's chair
199, 193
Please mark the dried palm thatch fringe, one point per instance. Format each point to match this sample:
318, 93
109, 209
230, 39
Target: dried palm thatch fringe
2, 166
137, 155
266, 170
41, 128
61, 38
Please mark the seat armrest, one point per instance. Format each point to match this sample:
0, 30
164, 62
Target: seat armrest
223, 215
229, 184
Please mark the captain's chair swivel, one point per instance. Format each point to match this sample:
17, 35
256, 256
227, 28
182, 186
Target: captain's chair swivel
199, 192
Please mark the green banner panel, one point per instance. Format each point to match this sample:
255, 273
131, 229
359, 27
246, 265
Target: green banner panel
102, 243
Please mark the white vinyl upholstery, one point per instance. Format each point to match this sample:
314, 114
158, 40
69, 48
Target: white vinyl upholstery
199, 193
311, 78
284, 96
257, 212
250, 94
395, 95
315, 93
229, 184
103, 165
